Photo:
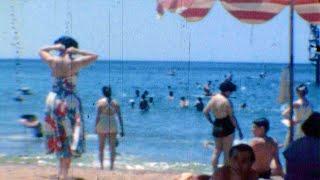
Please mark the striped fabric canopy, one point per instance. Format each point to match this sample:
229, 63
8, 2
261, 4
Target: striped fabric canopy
198, 10
192, 10
309, 10
254, 11
172, 5
248, 11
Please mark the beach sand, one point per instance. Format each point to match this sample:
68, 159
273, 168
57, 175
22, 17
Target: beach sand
35, 172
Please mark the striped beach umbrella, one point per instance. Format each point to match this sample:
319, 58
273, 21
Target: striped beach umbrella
197, 11
254, 11
172, 6
309, 10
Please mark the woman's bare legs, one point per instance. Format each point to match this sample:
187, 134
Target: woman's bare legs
226, 146
112, 148
102, 141
216, 152
64, 165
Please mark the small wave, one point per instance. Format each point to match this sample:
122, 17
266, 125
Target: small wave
91, 137
17, 137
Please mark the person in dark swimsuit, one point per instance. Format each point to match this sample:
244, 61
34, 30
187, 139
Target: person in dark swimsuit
144, 104
207, 89
199, 104
225, 122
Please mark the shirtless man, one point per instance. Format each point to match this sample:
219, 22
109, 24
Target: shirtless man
241, 159
265, 149
224, 124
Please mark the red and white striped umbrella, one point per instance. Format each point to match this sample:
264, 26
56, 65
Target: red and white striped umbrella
254, 11
309, 10
198, 10
172, 5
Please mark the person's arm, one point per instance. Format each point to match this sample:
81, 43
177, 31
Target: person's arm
120, 120
233, 119
45, 54
235, 122
277, 169
98, 116
84, 59
206, 111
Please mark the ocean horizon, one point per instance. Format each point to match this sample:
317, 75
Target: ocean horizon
283, 62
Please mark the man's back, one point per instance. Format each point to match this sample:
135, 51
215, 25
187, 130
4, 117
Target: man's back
220, 106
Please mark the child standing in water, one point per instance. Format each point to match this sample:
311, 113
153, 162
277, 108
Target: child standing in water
106, 125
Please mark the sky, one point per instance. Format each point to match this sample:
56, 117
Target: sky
129, 29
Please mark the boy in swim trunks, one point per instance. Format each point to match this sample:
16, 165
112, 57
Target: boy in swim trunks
265, 149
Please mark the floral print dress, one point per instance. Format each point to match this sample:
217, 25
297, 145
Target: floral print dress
64, 126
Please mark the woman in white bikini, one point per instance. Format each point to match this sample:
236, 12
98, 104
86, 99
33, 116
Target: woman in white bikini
106, 125
302, 109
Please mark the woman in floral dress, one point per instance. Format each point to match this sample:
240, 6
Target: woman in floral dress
64, 126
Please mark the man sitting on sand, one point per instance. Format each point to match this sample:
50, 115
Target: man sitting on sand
265, 150
241, 159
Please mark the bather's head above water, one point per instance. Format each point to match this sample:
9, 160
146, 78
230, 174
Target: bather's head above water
302, 90
106, 90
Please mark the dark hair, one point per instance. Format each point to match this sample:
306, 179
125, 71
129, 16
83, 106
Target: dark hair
227, 86
106, 90
146, 92
183, 98
137, 93
199, 99
170, 93
242, 148
67, 42
302, 89
311, 126
262, 122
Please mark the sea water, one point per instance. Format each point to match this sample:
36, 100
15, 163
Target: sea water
167, 138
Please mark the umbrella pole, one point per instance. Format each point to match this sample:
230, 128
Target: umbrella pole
291, 67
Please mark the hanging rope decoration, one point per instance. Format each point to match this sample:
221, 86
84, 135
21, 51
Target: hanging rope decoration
109, 44
68, 22
122, 60
16, 40
189, 58
251, 34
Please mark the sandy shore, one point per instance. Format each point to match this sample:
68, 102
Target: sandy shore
34, 172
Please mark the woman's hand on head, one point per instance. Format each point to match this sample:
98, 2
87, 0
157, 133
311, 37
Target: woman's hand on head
71, 50
59, 47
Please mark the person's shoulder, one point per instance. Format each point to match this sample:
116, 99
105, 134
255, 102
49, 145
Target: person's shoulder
101, 102
297, 103
115, 103
272, 141
257, 141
